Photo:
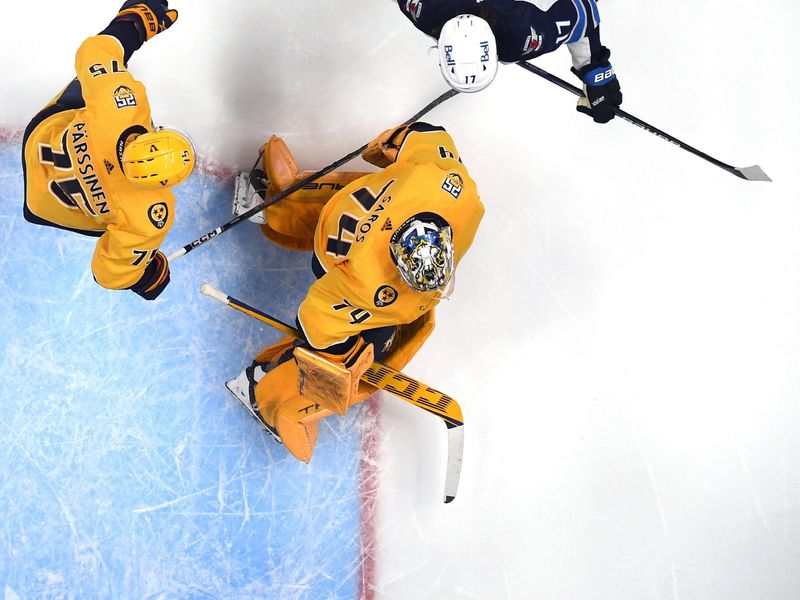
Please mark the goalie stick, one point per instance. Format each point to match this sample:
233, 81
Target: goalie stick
391, 380
296, 186
752, 173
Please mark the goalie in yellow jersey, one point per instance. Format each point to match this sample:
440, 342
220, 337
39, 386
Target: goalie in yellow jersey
386, 246
94, 164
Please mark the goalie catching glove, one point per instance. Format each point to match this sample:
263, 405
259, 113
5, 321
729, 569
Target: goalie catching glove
382, 151
601, 89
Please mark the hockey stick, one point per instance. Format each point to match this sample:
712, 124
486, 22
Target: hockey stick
753, 173
386, 378
296, 186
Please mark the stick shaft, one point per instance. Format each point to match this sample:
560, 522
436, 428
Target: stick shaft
298, 185
742, 173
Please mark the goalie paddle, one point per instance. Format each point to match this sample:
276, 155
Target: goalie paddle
391, 380
298, 185
752, 173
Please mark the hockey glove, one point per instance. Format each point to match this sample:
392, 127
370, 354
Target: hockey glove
154, 279
150, 17
382, 151
601, 88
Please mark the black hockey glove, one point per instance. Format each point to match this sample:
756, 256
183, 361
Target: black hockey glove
138, 21
154, 279
601, 88
151, 17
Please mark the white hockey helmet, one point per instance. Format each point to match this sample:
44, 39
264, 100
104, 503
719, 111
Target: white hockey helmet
467, 53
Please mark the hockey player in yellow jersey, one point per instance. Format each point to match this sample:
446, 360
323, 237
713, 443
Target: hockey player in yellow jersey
94, 164
386, 246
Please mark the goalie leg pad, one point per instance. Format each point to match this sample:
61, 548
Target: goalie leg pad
299, 437
279, 164
294, 418
291, 223
331, 384
276, 351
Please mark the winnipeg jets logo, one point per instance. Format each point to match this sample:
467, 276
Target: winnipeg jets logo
414, 8
532, 42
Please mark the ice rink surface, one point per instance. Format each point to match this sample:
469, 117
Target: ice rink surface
624, 338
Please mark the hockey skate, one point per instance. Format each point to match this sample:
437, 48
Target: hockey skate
243, 389
250, 191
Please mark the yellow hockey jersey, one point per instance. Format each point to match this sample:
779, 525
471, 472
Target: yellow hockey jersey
362, 288
74, 175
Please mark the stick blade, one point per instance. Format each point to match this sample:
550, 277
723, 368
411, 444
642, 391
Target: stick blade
455, 456
754, 173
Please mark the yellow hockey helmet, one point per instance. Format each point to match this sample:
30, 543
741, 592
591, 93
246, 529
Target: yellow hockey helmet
158, 159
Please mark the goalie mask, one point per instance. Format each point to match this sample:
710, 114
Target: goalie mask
467, 53
422, 249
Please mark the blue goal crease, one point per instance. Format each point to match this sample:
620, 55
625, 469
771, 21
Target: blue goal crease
127, 469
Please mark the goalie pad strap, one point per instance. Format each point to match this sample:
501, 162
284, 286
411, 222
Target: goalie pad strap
330, 383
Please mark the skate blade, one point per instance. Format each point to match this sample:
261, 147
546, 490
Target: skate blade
242, 195
242, 395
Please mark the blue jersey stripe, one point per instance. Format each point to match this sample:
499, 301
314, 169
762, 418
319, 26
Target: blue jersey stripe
580, 26
595, 12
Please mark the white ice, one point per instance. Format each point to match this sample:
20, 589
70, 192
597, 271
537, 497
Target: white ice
625, 334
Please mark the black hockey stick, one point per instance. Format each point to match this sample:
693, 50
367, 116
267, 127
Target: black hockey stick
754, 173
386, 378
299, 185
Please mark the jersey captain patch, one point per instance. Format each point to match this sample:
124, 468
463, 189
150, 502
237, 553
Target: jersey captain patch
385, 296
158, 214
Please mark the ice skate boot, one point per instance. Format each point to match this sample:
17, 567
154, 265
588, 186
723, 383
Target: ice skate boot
250, 191
243, 389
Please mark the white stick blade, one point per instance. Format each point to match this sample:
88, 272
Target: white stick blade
754, 173
455, 455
